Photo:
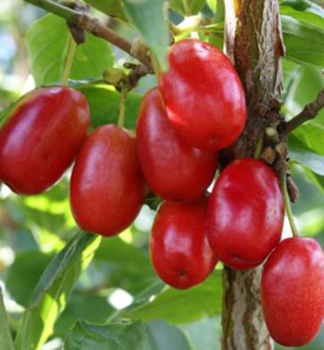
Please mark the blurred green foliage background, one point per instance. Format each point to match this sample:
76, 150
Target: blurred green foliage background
34, 229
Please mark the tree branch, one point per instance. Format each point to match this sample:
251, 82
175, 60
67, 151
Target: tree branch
91, 24
310, 111
55, 8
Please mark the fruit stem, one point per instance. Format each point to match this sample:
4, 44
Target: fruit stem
122, 103
283, 180
258, 148
186, 7
155, 65
220, 12
56, 8
69, 61
217, 28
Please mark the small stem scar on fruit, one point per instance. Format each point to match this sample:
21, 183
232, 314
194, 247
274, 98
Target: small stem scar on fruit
69, 60
283, 180
121, 115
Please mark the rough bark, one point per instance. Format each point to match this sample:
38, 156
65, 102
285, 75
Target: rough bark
253, 42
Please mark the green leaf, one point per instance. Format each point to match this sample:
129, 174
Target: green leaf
312, 163
51, 293
47, 42
148, 293
187, 7
304, 11
290, 76
81, 306
164, 336
112, 8
307, 83
213, 5
149, 18
205, 333
306, 17
312, 160
182, 306
124, 266
24, 274
115, 336
4, 114
6, 342
126, 334
104, 105
314, 178
311, 135
304, 42
303, 6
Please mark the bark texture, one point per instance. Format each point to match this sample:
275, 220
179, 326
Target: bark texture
253, 42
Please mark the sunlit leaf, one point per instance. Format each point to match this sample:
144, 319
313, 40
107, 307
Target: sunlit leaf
112, 8
9, 110
187, 7
303, 6
149, 18
304, 42
51, 293
306, 17
47, 42
212, 4
104, 105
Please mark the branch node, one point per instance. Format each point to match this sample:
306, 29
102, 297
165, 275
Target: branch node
282, 150
271, 135
89, 23
268, 155
78, 34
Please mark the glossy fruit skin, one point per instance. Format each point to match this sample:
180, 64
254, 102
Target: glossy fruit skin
245, 214
107, 186
203, 95
42, 137
179, 249
292, 290
173, 168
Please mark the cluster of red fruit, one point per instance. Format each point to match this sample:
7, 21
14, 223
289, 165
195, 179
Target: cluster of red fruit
198, 108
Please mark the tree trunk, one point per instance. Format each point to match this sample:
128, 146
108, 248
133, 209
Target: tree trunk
253, 42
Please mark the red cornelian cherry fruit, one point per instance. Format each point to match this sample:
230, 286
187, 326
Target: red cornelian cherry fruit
41, 138
179, 248
107, 187
203, 95
173, 168
292, 291
245, 214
